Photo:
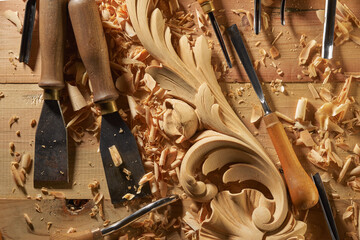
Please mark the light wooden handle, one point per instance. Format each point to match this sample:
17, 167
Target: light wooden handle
85, 235
52, 30
91, 42
302, 190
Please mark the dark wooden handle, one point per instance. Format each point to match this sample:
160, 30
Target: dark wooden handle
52, 30
91, 42
302, 190
85, 235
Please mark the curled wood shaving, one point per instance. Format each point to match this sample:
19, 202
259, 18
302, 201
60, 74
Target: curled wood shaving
13, 120
354, 184
256, 114
306, 51
98, 198
300, 112
14, 18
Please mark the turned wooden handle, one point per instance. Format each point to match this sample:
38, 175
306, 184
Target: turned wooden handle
91, 42
302, 190
52, 17
85, 235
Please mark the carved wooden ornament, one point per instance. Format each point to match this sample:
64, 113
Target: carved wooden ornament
189, 76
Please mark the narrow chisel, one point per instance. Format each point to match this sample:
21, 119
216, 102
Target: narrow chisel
329, 28
208, 7
302, 190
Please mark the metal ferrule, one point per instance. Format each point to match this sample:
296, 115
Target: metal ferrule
108, 107
207, 6
51, 94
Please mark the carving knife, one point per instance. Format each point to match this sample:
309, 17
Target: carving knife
51, 153
26, 37
91, 42
208, 7
325, 206
302, 190
98, 234
329, 28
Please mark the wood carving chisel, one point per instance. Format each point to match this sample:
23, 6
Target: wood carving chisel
51, 151
325, 206
282, 12
208, 7
26, 37
329, 28
302, 190
98, 234
91, 42
257, 16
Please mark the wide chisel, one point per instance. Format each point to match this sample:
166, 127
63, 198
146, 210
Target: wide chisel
51, 152
302, 190
208, 7
115, 134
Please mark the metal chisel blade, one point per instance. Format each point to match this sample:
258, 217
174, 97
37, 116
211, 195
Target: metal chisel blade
240, 48
114, 131
26, 37
51, 150
329, 28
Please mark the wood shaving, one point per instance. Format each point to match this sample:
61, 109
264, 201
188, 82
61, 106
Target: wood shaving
94, 185
128, 196
306, 51
98, 198
26, 161
300, 112
13, 119
28, 221
344, 169
57, 195
277, 38
16, 176
115, 156
48, 225
44, 191
313, 91
14, 18
33, 123
274, 52
71, 230
256, 114
356, 149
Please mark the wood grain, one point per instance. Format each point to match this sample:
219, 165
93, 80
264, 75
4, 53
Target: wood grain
24, 100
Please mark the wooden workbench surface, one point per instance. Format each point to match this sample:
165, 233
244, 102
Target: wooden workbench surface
18, 82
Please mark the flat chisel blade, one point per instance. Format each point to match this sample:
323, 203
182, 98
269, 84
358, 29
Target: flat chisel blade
51, 150
329, 28
26, 37
114, 132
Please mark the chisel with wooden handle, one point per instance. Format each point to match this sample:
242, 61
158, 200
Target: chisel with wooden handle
208, 7
51, 152
122, 178
302, 190
99, 234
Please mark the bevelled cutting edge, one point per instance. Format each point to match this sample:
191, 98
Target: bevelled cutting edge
51, 150
124, 178
28, 26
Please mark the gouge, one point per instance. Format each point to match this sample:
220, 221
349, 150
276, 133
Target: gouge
51, 154
302, 190
98, 234
26, 37
208, 7
91, 42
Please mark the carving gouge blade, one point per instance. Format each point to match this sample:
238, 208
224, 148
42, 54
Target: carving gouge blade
282, 12
92, 46
302, 190
325, 206
26, 37
208, 7
257, 16
98, 234
329, 28
51, 157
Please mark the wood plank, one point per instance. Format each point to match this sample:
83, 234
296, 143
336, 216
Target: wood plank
300, 18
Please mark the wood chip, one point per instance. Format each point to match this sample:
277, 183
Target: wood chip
256, 114
274, 52
284, 117
147, 177
128, 196
300, 112
58, 195
14, 18
33, 123
277, 38
48, 225
313, 91
16, 176
306, 51
28, 221
13, 120
344, 169
71, 230
98, 198
115, 156
44, 190
356, 149
26, 161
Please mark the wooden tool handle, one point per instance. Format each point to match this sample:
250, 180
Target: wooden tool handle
52, 30
91, 42
85, 235
302, 190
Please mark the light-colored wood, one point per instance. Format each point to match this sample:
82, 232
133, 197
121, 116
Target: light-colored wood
302, 189
91, 42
